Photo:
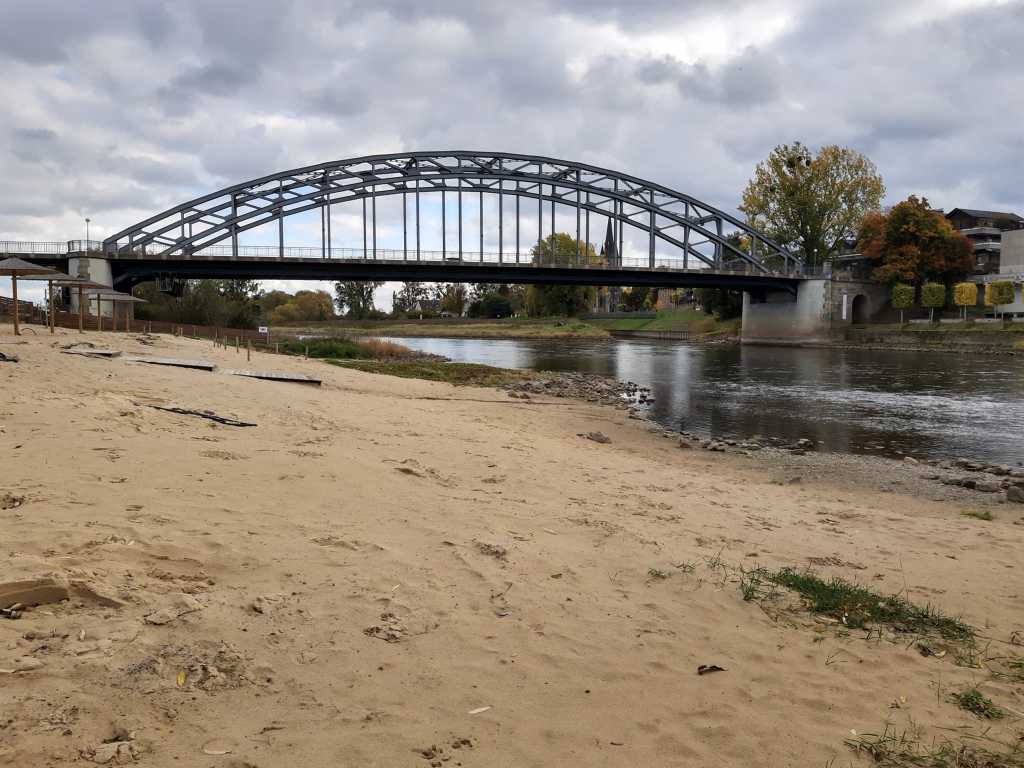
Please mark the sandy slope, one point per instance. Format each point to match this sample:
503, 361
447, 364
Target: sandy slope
363, 519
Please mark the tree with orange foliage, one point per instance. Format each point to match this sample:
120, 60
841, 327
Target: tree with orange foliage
914, 244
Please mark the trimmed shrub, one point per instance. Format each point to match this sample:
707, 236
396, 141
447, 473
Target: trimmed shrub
902, 298
933, 296
999, 292
965, 295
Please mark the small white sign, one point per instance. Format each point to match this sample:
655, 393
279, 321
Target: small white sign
845, 298
265, 330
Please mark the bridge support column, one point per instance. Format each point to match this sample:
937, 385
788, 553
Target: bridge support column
93, 268
820, 312
779, 317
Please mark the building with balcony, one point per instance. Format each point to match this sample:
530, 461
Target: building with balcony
985, 231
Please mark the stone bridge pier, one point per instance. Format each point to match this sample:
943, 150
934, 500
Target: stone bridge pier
92, 267
818, 314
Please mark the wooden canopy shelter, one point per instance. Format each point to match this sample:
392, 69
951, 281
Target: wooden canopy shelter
15, 268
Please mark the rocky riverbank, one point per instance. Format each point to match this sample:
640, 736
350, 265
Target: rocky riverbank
582, 386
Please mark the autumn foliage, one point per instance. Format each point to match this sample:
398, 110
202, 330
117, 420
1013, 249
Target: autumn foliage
912, 243
998, 293
965, 294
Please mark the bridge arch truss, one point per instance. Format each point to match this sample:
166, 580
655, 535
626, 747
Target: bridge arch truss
704, 237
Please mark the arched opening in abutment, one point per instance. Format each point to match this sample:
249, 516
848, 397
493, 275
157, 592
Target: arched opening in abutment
859, 309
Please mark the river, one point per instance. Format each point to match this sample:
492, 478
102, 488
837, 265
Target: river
921, 404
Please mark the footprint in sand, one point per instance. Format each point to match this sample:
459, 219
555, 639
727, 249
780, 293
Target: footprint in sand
413, 468
223, 455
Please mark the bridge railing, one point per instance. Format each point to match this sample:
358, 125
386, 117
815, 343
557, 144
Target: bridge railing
53, 248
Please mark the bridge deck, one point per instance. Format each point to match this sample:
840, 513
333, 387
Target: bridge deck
128, 271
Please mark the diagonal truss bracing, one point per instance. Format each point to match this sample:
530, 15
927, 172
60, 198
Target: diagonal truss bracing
702, 233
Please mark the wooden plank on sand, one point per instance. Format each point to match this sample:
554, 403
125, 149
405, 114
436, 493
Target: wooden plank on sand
92, 352
201, 365
295, 378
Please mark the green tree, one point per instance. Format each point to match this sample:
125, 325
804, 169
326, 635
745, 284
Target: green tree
913, 244
561, 250
933, 296
812, 203
452, 297
636, 298
491, 305
405, 298
271, 300
304, 306
355, 298
902, 298
226, 303
720, 302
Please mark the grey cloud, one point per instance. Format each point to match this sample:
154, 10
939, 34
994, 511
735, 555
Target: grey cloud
183, 98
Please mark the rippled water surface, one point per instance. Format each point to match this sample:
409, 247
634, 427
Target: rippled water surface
918, 403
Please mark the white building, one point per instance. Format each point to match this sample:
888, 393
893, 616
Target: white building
1011, 267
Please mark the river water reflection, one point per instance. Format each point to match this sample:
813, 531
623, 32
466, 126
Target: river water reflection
892, 403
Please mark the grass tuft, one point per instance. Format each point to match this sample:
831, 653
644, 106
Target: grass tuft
857, 606
979, 515
974, 701
892, 749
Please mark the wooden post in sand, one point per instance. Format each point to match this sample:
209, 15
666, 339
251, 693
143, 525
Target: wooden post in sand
81, 311
14, 294
99, 314
53, 309
248, 350
236, 345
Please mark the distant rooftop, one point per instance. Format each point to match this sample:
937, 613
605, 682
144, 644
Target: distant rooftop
1005, 215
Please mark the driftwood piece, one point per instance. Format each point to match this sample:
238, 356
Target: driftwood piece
201, 365
226, 420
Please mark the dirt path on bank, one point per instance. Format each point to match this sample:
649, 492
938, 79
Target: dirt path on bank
386, 572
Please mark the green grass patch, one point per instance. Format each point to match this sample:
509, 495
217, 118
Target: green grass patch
974, 701
507, 328
983, 514
625, 324
462, 374
338, 348
674, 319
906, 749
857, 606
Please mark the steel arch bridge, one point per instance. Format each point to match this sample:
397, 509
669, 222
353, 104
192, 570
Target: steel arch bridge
200, 238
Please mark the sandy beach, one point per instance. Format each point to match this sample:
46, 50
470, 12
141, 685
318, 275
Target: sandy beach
390, 572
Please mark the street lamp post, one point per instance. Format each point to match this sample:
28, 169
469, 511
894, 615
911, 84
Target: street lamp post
87, 220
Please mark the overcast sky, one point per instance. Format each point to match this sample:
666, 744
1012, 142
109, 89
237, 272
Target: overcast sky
118, 109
